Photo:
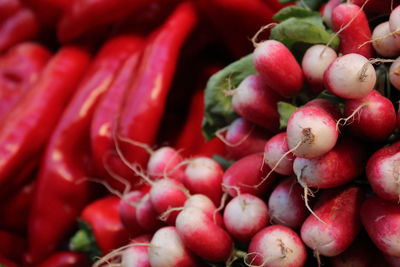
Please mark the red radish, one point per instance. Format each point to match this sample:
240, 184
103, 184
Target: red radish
244, 216
352, 25
394, 23
127, 212
394, 73
286, 204
350, 76
276, 246
147, 216
163, 163
383, 42
274, 155
327, 105
373, 109
338, 209
136, 254
311, 131
278, 67
246, 175
256, 102
327, 11
381, 219
315, 61
337, 167
203, 175
167, 250
201, 235
383, 172
205, 204
243, 138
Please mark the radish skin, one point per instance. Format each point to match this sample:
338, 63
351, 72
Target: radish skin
394, 23
384, 43
274, 150
137, 255
127, 212
162, 164
205, 204
394, 73
147, 216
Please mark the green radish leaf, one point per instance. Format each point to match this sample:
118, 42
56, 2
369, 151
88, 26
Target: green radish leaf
296, 12
225, 163
83, 241
285, 110
310, 4
286, 1
218, 108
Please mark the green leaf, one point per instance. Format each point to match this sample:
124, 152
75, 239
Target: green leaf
308, 30
295, 12
286, 1
83, 241
285, 110
311, 4
218, 108
225, 163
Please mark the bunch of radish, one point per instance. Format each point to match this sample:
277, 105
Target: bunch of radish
317, 186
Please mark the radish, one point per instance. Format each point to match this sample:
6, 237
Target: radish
278, 67
244, 216
394, 73
326, 11
167, 250
327, 105
246, 176
127, 212
243, 138
147, 216
337, 167
136, 254
381, 219
373, 109
163, 163
350, 76
202, 236
311, 131
315, 61
203, 175
276, 246
286, 204
205, 204
256, 102
383, 172
276, 156
337, 224
394, 23
383, 42
351, 24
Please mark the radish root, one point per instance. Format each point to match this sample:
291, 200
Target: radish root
226, 142
362, 73
164, 216
263, 28
344, 121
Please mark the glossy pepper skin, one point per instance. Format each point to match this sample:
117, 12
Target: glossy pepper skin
20, 67
27, 127
65, 258
11, 246
48, 12
105, 117
146, 97
61, 191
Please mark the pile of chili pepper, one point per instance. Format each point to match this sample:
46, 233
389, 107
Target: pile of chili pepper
78, 78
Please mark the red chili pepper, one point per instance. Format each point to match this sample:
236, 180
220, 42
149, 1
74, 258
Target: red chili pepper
102, 217
140, 118
8, 8
11, 246
21, 26
48, 12
66, 259
19, 69
7, 262
15, 210
27, 127
104, 118
61, 193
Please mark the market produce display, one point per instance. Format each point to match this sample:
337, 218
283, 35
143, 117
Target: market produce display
168, 133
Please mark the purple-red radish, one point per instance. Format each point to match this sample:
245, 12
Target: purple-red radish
276, 246
256, 102
147, 216
337, 224
394, 73
326, 11
127, 212
168, 250
350, 76
315, 61
372, 110
351, 23
311, 131
243, 138
381, 220
383, 172
202, 236
163, 163
278, 67
244, 216
337, 167
246, 176
203, 175
274, 154
205, 204
137, 252
383, 42
286, 204
394, 23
